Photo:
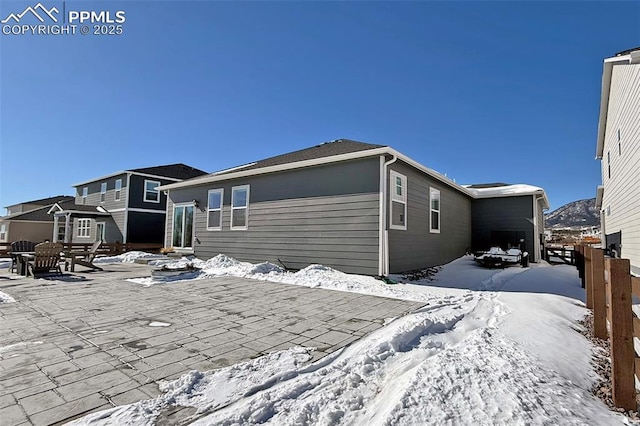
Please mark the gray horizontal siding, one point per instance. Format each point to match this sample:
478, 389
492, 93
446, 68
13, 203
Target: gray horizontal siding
327, 214
346, 238
93, 197
417, 247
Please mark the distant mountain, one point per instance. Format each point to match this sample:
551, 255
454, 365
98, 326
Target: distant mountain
574, 215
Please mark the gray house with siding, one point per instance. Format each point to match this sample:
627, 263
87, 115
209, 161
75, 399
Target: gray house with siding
357, 207
124, 207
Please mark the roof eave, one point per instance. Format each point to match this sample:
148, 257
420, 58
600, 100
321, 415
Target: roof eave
604, 99
278, 168
599, 195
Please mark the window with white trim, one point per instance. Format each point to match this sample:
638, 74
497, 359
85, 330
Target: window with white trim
151, 193
398, 201
103, 192
434, 207
84, 228
118, 189
240, 207
3, 232
214, 209
85, 192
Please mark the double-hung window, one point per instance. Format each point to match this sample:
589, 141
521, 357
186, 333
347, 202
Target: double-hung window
434, 203
3, 232
214, 209
398, 201
84, 228
118, 189
103, 192
85, 193
151, 193
240, 207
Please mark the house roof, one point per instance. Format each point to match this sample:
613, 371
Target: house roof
326, 149
329, 152
496, 190
81, 208
45, 201
630, 56
326, 153
176, 172
36, 215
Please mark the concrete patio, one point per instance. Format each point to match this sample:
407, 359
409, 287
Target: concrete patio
93, 340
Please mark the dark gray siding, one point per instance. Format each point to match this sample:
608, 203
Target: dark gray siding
495, 218
136, 193
540, 217
145, 227
326, 214
417, 247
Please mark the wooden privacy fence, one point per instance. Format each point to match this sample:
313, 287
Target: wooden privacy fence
108, 249
609, 287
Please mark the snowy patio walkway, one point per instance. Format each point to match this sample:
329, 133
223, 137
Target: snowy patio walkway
77, 346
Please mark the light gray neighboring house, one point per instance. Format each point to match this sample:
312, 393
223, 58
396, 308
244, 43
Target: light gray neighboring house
124, 207
619, 151
356, 207
30, 220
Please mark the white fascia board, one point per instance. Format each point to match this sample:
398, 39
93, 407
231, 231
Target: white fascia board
431, 172
604, 99
86, 182
317, 162
124, 172
277, 168
599, 195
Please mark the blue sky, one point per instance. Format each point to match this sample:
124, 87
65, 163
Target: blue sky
481, 91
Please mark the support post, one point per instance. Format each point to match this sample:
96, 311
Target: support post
622, 351
599, 295
588, 278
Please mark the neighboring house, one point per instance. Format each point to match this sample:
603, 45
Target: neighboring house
618, 198
35, 204
124, 207
357, 207
30, 220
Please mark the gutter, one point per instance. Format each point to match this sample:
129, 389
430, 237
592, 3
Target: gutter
383, 232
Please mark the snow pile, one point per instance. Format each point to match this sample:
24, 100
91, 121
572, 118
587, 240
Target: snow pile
5, 298
505, 190
128, 257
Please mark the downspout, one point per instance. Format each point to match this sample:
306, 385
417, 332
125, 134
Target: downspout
383, 232
126, 210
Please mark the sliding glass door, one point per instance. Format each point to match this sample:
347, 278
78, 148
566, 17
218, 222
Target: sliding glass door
183, 226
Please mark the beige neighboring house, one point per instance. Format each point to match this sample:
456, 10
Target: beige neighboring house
618, 148
30, 220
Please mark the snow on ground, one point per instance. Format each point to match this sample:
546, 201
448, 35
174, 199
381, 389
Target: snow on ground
489, 347
5, 298
128, 257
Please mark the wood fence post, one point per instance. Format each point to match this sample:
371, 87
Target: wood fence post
579, 250
622, 350
599, 294
588, 277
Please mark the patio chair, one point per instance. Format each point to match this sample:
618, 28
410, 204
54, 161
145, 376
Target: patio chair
17, 247
83, 258
45, 259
